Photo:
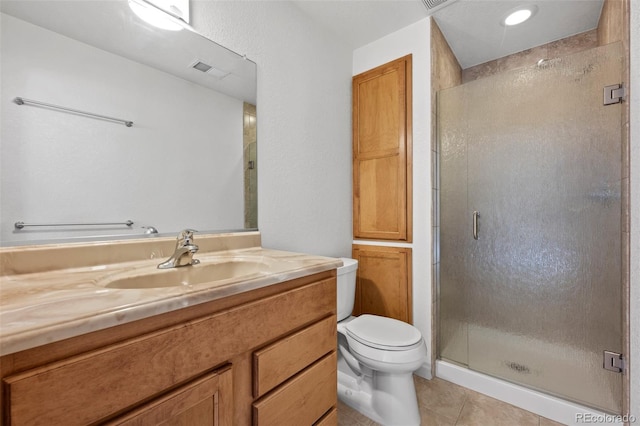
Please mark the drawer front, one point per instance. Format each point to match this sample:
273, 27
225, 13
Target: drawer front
92, 386
281, 360
302, 400
329, 419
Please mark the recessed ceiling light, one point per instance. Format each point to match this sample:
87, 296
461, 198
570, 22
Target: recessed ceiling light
518, 16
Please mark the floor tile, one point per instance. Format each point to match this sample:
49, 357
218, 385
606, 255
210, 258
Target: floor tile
548, 422
481, 410
440, 396
431, 418
347, 416
446, 404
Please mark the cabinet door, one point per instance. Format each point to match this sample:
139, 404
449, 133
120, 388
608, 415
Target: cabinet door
382, 152
205, 401
383, 285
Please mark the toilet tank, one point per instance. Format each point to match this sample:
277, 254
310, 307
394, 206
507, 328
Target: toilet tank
346, 287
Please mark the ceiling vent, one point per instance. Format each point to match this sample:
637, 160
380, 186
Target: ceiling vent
201, 66
435, 5
206, 68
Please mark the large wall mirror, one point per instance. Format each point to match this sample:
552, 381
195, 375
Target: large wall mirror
187, 161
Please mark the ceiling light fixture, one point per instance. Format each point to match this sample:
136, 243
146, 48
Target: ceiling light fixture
519, 16
154, 16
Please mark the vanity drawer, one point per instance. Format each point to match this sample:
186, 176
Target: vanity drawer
329, 419
302, 400
279, 361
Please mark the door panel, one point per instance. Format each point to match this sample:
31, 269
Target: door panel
541, 285
383, 285
382, 152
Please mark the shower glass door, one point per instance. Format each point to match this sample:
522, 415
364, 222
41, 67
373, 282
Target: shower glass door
531, 292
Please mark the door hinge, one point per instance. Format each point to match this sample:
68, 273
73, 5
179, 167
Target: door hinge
614, 94
613, 361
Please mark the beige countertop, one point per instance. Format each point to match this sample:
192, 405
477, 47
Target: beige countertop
51, 304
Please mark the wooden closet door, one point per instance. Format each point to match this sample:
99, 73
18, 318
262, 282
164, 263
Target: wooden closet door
383, 285
382, 152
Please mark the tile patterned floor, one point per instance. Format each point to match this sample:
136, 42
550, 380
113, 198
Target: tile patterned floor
445, 404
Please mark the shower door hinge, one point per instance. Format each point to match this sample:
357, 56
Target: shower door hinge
614, 94
613, 361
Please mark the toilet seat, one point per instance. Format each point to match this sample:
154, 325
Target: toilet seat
384, 340
383, 333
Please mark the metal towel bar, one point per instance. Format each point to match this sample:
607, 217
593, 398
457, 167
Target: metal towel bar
24, 101
20, 225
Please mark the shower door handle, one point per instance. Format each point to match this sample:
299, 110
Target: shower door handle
476, 215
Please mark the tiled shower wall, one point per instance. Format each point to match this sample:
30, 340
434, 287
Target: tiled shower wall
445, 73
614, 26
556, 49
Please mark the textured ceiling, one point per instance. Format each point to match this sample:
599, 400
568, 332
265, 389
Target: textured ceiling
472, 27
359, 22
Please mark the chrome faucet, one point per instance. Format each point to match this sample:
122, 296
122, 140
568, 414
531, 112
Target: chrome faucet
183, 255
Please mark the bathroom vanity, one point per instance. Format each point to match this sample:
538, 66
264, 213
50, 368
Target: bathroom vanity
257, 347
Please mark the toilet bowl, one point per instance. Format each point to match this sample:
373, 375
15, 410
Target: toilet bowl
376, 359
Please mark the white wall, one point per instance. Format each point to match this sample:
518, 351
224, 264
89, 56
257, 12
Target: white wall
415, 40
304, 121
635, 208
179, 166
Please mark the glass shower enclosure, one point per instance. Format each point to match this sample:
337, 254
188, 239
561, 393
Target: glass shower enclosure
530, 226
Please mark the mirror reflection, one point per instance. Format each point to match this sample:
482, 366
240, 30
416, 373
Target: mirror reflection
187, 161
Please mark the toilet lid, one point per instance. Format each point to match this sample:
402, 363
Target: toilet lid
383, 332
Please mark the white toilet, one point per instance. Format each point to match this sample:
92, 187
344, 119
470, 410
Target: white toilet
376, 359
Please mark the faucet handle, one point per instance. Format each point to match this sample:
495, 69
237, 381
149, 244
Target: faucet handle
186, 236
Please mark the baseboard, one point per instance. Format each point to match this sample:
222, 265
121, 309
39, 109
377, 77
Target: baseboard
536, 402
425, 371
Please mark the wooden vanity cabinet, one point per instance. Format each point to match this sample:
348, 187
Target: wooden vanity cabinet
265, 357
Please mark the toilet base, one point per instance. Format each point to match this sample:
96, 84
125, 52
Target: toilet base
356, 395
388, 399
